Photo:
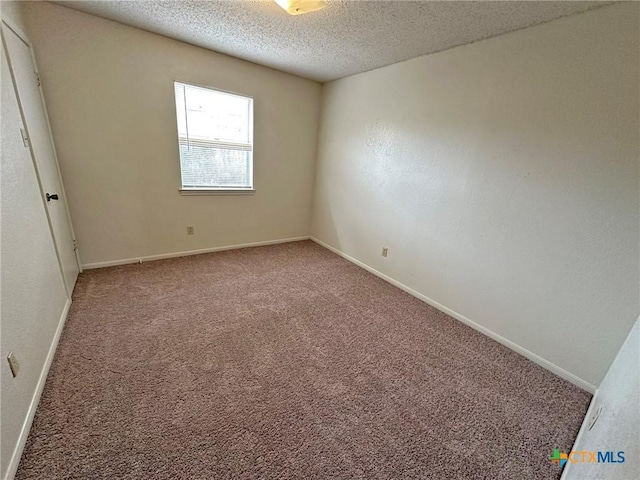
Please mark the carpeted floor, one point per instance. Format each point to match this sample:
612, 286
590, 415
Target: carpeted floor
285, 362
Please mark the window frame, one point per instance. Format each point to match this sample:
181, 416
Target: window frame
215, 190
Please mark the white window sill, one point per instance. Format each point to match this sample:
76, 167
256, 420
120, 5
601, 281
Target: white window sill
217, 191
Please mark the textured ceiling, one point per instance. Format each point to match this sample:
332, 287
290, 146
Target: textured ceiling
347, 37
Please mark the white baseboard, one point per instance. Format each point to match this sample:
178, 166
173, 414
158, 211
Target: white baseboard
35, 400
150, 258
583, 429
570, 377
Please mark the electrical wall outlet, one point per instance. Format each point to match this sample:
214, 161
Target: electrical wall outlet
190, 230
385, 251
13, 364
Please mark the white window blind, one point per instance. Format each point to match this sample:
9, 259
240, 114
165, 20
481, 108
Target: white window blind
215, 137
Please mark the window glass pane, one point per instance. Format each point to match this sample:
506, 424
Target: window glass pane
215, 138
205, 166
181, 111
217, 116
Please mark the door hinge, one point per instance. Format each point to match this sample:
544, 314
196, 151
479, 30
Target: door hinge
38, 79
25, 139
75, 245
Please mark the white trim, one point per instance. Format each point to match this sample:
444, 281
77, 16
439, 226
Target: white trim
217, 191
17, 30
35, 400
570, 377
584, 428
162, 256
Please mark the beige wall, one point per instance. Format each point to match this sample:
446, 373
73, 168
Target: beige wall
503, 177
109, 91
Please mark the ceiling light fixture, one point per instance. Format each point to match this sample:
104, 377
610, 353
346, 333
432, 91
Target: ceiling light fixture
298, 7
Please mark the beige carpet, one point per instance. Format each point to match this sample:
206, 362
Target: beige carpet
285, 362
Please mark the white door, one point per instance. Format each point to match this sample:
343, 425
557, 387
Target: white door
33, 298
27, 83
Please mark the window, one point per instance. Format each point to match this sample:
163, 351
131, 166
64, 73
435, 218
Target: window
215, 137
